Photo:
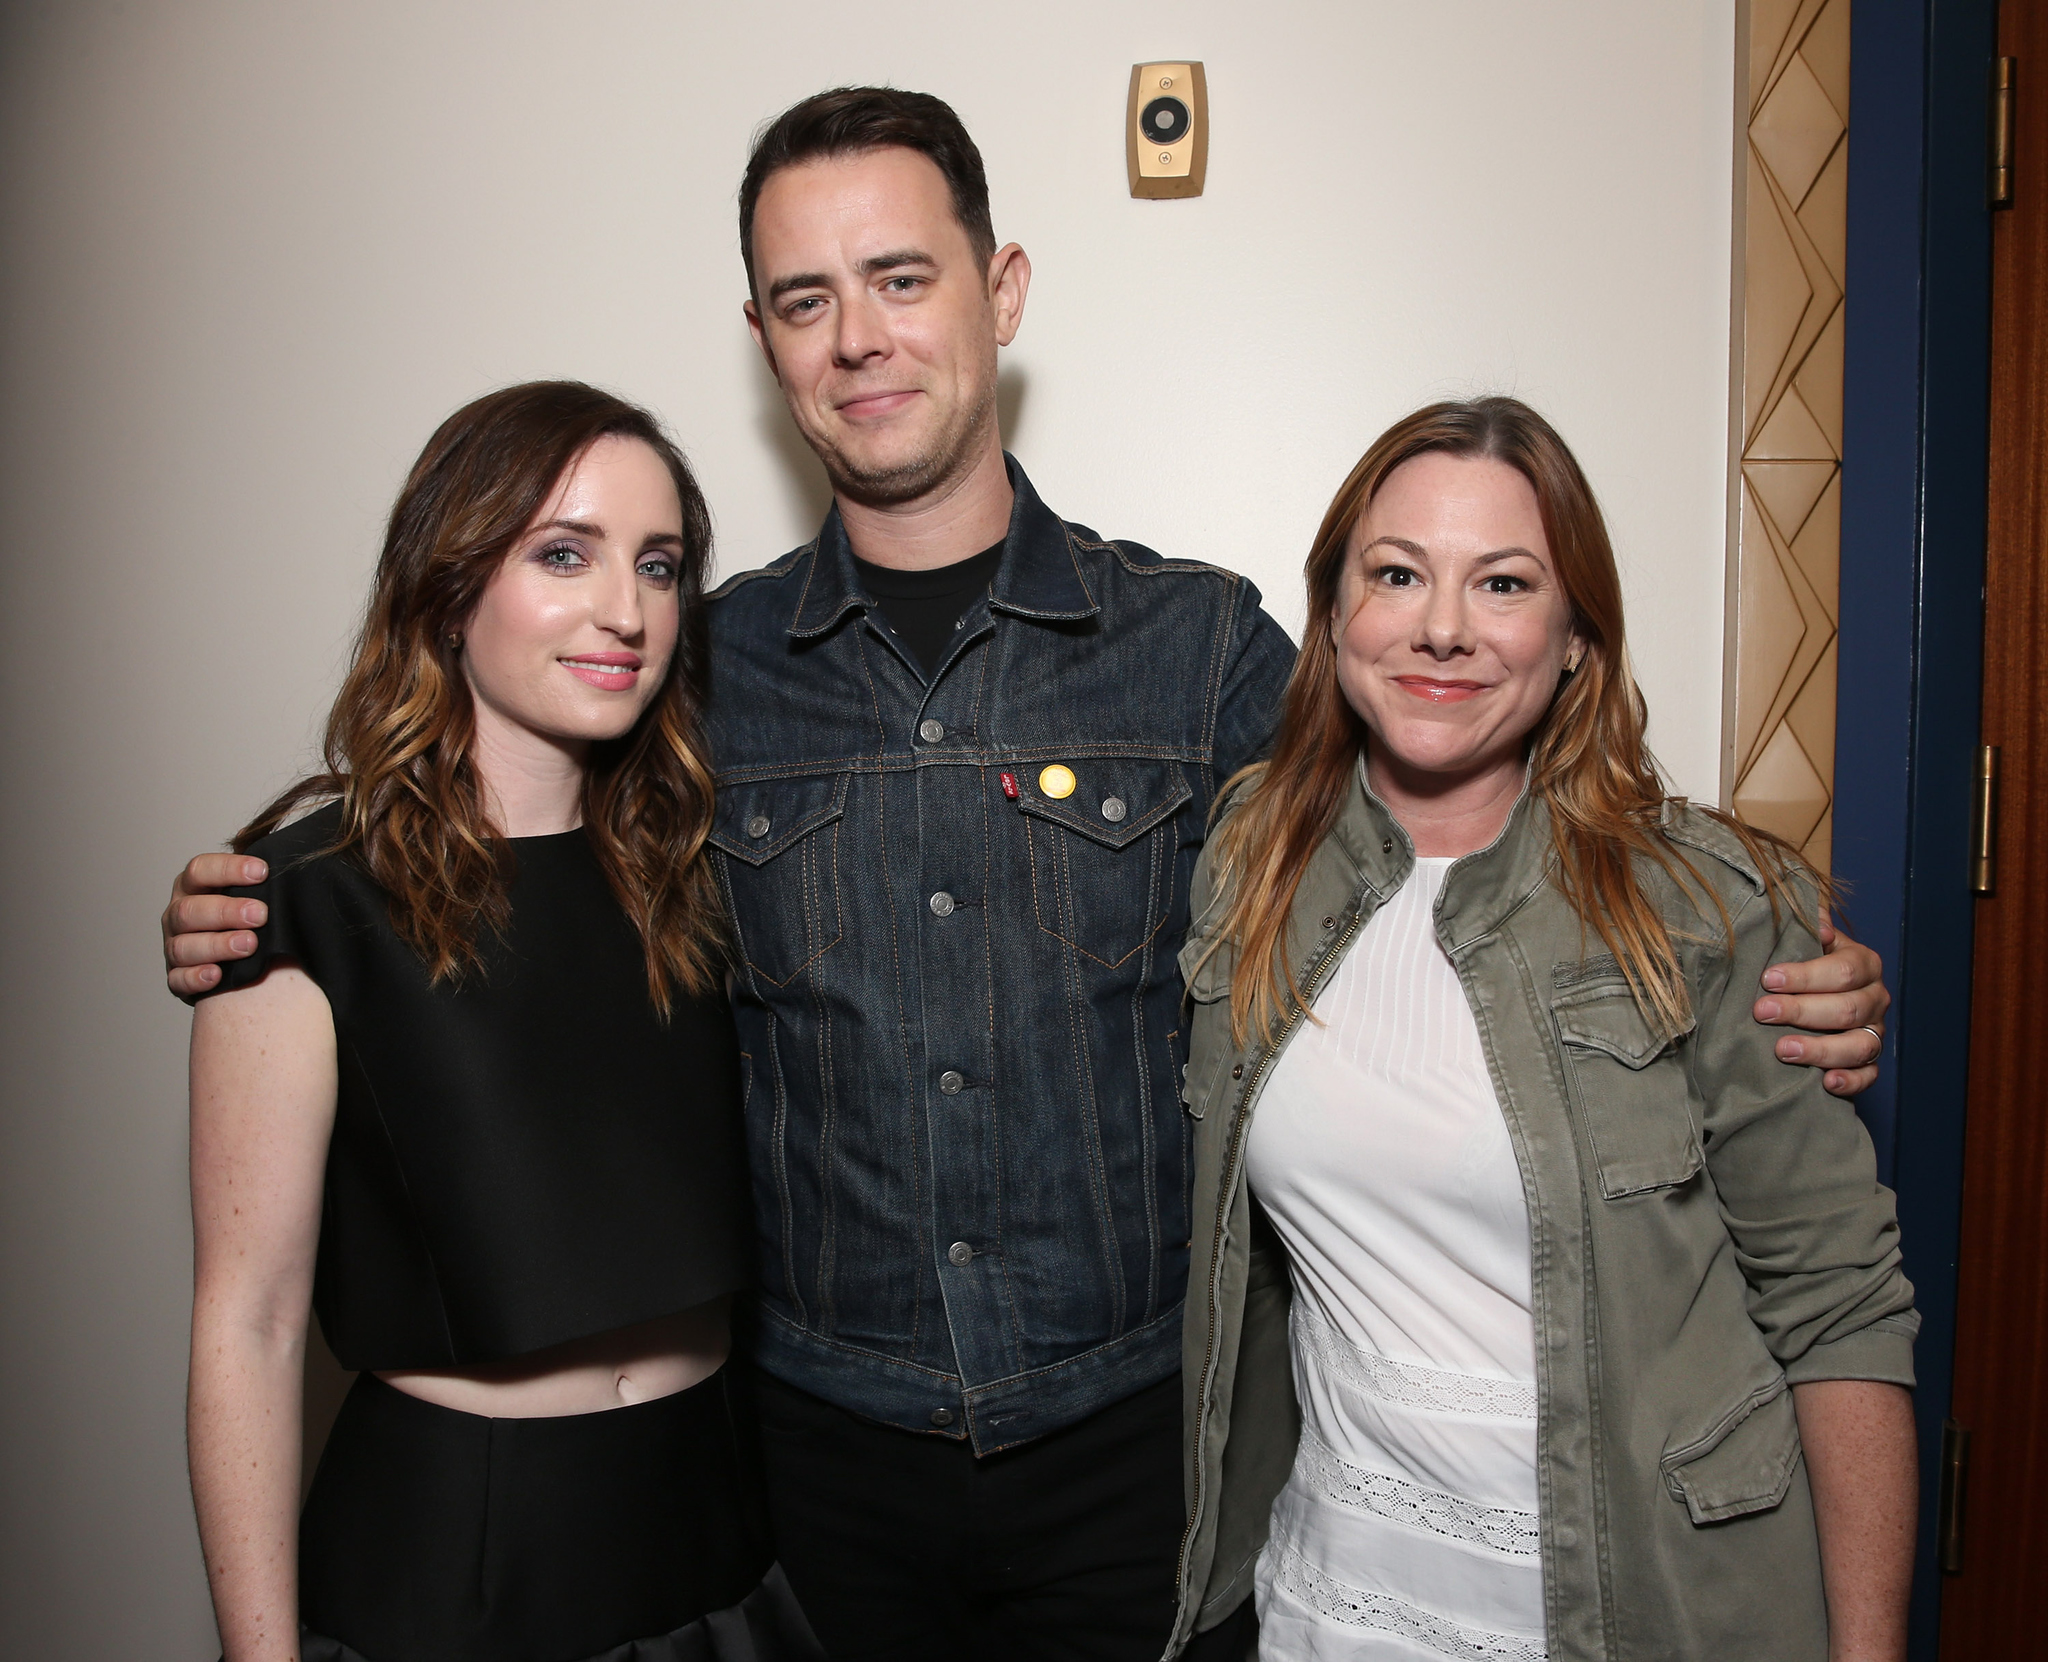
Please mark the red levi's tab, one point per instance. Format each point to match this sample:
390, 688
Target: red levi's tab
1009, 785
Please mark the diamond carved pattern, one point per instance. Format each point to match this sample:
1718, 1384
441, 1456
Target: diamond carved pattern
1771, 625
1783, 791
1772, 290
1788, 490
1795, 132
1825, 212
1819, 383
1778, 761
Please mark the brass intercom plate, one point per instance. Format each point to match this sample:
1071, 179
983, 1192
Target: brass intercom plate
1166, 130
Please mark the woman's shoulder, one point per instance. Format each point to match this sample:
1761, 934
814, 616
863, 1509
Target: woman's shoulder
307, 865
300, 842
1738, 865
1762, 900
319, 899
1237, 790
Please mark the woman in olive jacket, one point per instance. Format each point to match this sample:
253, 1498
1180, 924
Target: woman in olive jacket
1536, 1309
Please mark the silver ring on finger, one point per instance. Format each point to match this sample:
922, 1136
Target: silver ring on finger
1879, 1037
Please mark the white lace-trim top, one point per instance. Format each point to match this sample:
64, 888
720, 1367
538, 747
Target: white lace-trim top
1408, 1529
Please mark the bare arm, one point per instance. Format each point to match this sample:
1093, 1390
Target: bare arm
1833, 996
1858, 1436
263, 1084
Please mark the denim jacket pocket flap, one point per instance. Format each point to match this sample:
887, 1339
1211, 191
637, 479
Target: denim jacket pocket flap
1116, 799
757, 819
1743, 1464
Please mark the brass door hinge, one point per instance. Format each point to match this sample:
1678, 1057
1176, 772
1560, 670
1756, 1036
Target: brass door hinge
2004, 73
1948, 1516
1984, 823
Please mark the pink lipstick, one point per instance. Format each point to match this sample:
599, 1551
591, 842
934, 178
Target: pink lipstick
612, 671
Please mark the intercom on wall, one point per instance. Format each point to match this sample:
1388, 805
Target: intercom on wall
1166, 130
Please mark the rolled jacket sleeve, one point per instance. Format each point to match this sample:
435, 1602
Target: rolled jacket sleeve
1882, 1351
1815, 1233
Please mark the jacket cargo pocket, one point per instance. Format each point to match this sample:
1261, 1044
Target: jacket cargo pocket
1630, 1085
780, 839
1744, 1464
1103, 858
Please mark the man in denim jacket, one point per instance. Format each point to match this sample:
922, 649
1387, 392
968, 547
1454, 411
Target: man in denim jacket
966, 752
959, 804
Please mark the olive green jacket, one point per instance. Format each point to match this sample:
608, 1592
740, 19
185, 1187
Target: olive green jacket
1706, 1229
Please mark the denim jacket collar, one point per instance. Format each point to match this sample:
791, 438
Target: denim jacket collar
1037, 577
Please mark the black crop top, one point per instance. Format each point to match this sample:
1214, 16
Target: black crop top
522, 1158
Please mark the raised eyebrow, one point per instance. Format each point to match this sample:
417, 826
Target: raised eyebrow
1500, 554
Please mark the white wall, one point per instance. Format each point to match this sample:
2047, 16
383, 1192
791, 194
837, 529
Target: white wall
254, 251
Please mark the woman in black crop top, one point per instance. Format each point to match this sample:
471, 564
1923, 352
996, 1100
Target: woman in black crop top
475, 1101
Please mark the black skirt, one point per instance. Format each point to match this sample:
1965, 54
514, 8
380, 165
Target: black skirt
632, 1535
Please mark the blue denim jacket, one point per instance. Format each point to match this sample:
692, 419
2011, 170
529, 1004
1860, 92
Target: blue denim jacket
955, 985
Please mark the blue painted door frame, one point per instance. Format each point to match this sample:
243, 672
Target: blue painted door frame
1916, 389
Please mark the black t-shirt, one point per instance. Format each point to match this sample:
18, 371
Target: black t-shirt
924, 608
527, 1156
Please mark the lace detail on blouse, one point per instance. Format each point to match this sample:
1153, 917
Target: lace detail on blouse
1502, 1528
1355, 1607
1410, 1384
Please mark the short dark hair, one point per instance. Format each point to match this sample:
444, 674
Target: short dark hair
848, 121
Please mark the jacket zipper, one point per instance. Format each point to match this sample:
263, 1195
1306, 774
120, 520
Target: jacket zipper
1310, 989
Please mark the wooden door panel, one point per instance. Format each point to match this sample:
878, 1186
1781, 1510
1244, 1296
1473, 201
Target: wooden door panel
1991, 1608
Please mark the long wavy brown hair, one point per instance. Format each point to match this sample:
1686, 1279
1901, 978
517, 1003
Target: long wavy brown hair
400, 735
1587, 758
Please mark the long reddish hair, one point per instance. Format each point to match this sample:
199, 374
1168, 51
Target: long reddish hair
399, 738
1587, 758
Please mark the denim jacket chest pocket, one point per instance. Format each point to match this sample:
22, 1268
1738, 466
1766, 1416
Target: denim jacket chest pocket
1628, 1081
1103, 858
780, 842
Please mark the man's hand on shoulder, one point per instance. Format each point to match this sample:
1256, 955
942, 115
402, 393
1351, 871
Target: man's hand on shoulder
1839, 999
204, 928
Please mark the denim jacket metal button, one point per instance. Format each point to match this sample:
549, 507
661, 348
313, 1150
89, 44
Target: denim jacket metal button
955, 905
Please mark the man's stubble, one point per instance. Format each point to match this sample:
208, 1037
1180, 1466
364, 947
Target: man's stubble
950, 456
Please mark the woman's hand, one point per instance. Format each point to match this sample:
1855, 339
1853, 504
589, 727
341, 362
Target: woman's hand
1858, 1438
263, 1085
1840, 998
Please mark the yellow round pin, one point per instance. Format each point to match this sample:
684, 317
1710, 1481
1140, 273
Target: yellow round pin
1057, 781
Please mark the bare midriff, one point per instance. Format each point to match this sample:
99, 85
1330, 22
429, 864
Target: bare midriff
585, 1376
